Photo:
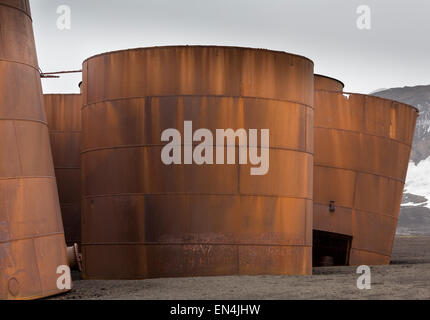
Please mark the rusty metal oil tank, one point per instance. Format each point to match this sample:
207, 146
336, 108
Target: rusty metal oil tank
144, 219
362, 149
32, 243
63, 112
327, 83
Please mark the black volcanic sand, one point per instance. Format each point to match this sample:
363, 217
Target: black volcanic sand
408, 277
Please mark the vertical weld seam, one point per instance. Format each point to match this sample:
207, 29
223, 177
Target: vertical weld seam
238, 151
364, 114
392, 108
306, 222
238, 258
355, 189
238, 183
25, 5
241, 53
354, 211
37, 265
238, 168
18, 148
1, 33
306, 148
87, 85
306, 130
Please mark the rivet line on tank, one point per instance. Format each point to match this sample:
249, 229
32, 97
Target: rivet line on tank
27, 120
197, 96
193, 194
20, 63
137, 243
27, 177
19, 9
364, 133
357, 209
316, 164
37, 236
134, 146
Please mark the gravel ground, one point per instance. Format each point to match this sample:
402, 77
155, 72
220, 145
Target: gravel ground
408, 277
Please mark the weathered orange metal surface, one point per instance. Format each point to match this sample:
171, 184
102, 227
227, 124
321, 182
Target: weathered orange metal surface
143, 219
63, 112
362, 149
32, 242
327, 83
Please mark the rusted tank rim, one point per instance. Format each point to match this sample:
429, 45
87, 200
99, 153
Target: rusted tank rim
372, 97
330, 78
198, 46
370, 134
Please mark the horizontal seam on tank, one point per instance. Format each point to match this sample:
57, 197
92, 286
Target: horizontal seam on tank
371, 251
195, 244
39, 236
67, 168
365, 133
200, 96
27, 177
141, 194
69, 203
63, 131
134, 146
16, 8
26, 120
44, 294
358, 171
362, 210
21, 63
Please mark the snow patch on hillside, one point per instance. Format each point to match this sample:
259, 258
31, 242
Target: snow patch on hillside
418, 180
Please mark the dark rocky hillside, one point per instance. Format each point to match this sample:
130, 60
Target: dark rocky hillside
415, 212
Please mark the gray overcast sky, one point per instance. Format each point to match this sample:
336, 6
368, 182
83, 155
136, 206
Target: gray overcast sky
395, 52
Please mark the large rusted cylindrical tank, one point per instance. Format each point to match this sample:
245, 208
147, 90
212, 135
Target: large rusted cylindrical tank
142, 218
362, 149
32, 242
63, 112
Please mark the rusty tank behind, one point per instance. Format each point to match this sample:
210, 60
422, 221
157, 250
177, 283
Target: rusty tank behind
63, 112
144, 219
362, 149
32, 242
327, 83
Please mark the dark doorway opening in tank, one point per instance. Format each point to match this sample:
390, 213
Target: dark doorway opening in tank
330, 249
